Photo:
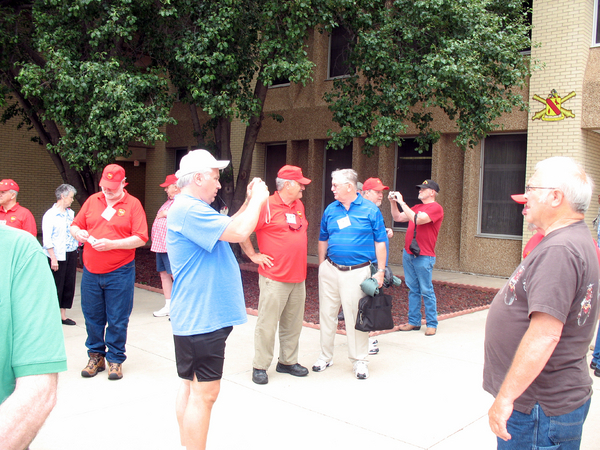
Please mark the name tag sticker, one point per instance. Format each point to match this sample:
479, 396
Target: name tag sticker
2, 222
290, 218
343, 223
108, 213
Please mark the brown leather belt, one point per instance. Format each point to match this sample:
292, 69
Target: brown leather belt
347, 268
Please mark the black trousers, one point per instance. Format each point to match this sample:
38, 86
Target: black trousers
64, 278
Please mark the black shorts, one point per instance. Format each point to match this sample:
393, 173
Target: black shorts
201, 354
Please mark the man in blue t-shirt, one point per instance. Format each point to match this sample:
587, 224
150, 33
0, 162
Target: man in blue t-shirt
352, 237
207, 298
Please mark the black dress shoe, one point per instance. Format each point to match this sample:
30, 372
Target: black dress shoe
69, 322
593, 365
294, 369
260, 376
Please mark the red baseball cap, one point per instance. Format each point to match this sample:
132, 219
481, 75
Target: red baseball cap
292, 173
112, 176
519, 198
9, 185
171, 179
374, 184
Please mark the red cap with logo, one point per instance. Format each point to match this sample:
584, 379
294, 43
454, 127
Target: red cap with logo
171, 179
112, 176
374, 184
292, 173
9, 185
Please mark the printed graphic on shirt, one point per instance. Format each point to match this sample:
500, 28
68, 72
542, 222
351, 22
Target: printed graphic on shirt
121, 212
586, 306
512, 284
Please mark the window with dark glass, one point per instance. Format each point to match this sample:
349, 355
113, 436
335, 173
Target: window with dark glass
502, 174
412, 168
339, 52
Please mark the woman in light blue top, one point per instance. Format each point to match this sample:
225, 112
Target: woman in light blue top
61, 248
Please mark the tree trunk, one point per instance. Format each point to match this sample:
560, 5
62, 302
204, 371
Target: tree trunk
260, 91
223, 141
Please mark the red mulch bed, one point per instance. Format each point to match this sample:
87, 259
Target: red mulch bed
451, 297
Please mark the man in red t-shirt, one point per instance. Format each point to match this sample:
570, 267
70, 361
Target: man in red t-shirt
418, 269
282, 241
111, 224
11, 213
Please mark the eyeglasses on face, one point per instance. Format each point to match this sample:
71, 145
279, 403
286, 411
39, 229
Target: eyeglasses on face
530, 188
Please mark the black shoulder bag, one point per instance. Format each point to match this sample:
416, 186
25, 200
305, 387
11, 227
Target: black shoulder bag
414, 246
375, 313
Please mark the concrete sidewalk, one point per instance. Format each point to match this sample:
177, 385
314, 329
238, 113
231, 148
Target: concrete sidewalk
422, 393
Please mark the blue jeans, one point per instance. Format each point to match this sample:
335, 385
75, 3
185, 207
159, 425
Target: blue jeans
417, 275
596, 354
536, 431
107, 298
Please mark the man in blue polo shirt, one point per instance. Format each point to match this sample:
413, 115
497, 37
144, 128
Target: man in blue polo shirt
352, 237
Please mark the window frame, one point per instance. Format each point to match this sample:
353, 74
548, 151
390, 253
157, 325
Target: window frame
480, 233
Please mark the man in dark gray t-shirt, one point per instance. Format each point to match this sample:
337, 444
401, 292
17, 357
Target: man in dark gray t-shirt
540, 324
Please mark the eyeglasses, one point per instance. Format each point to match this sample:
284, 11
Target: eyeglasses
335, 185
529, 188
296, 227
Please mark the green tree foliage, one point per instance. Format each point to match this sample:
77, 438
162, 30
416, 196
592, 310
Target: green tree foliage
222, 56
90, 76
79, 78
411, 57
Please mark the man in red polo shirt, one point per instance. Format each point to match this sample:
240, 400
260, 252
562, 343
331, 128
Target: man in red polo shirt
282, 241
11, 213
111, 224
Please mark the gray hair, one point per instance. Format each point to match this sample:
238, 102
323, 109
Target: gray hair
63, 190
189, 177
280, 182
567, 175
347, 175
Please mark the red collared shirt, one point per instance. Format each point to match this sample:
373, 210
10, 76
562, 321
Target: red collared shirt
286, 242
19, 217
128, 220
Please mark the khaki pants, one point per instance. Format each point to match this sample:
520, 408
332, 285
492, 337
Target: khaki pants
337, 287
281, 303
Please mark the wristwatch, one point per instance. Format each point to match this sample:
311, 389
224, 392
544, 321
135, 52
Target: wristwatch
380, 270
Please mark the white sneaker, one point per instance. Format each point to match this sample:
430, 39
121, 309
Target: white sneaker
164, 311
321, 365
361, 370
373, 349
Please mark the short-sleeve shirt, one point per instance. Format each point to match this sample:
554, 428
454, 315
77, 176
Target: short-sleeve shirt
427, 233
352, 233
207, 287
56, 232
560, 278
159, 230
31, 336
19, 217
128, 220
281, 234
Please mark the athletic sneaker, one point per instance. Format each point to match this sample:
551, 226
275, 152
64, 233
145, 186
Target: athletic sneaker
361, 370
321, 365
164, 311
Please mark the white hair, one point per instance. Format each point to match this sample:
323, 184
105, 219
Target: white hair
567, 175
346, 175
189, 177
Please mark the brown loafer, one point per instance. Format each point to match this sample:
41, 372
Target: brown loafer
408, 327
430, 331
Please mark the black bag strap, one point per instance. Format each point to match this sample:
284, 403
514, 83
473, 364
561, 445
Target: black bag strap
415, 219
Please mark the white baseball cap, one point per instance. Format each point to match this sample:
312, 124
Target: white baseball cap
197, 161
